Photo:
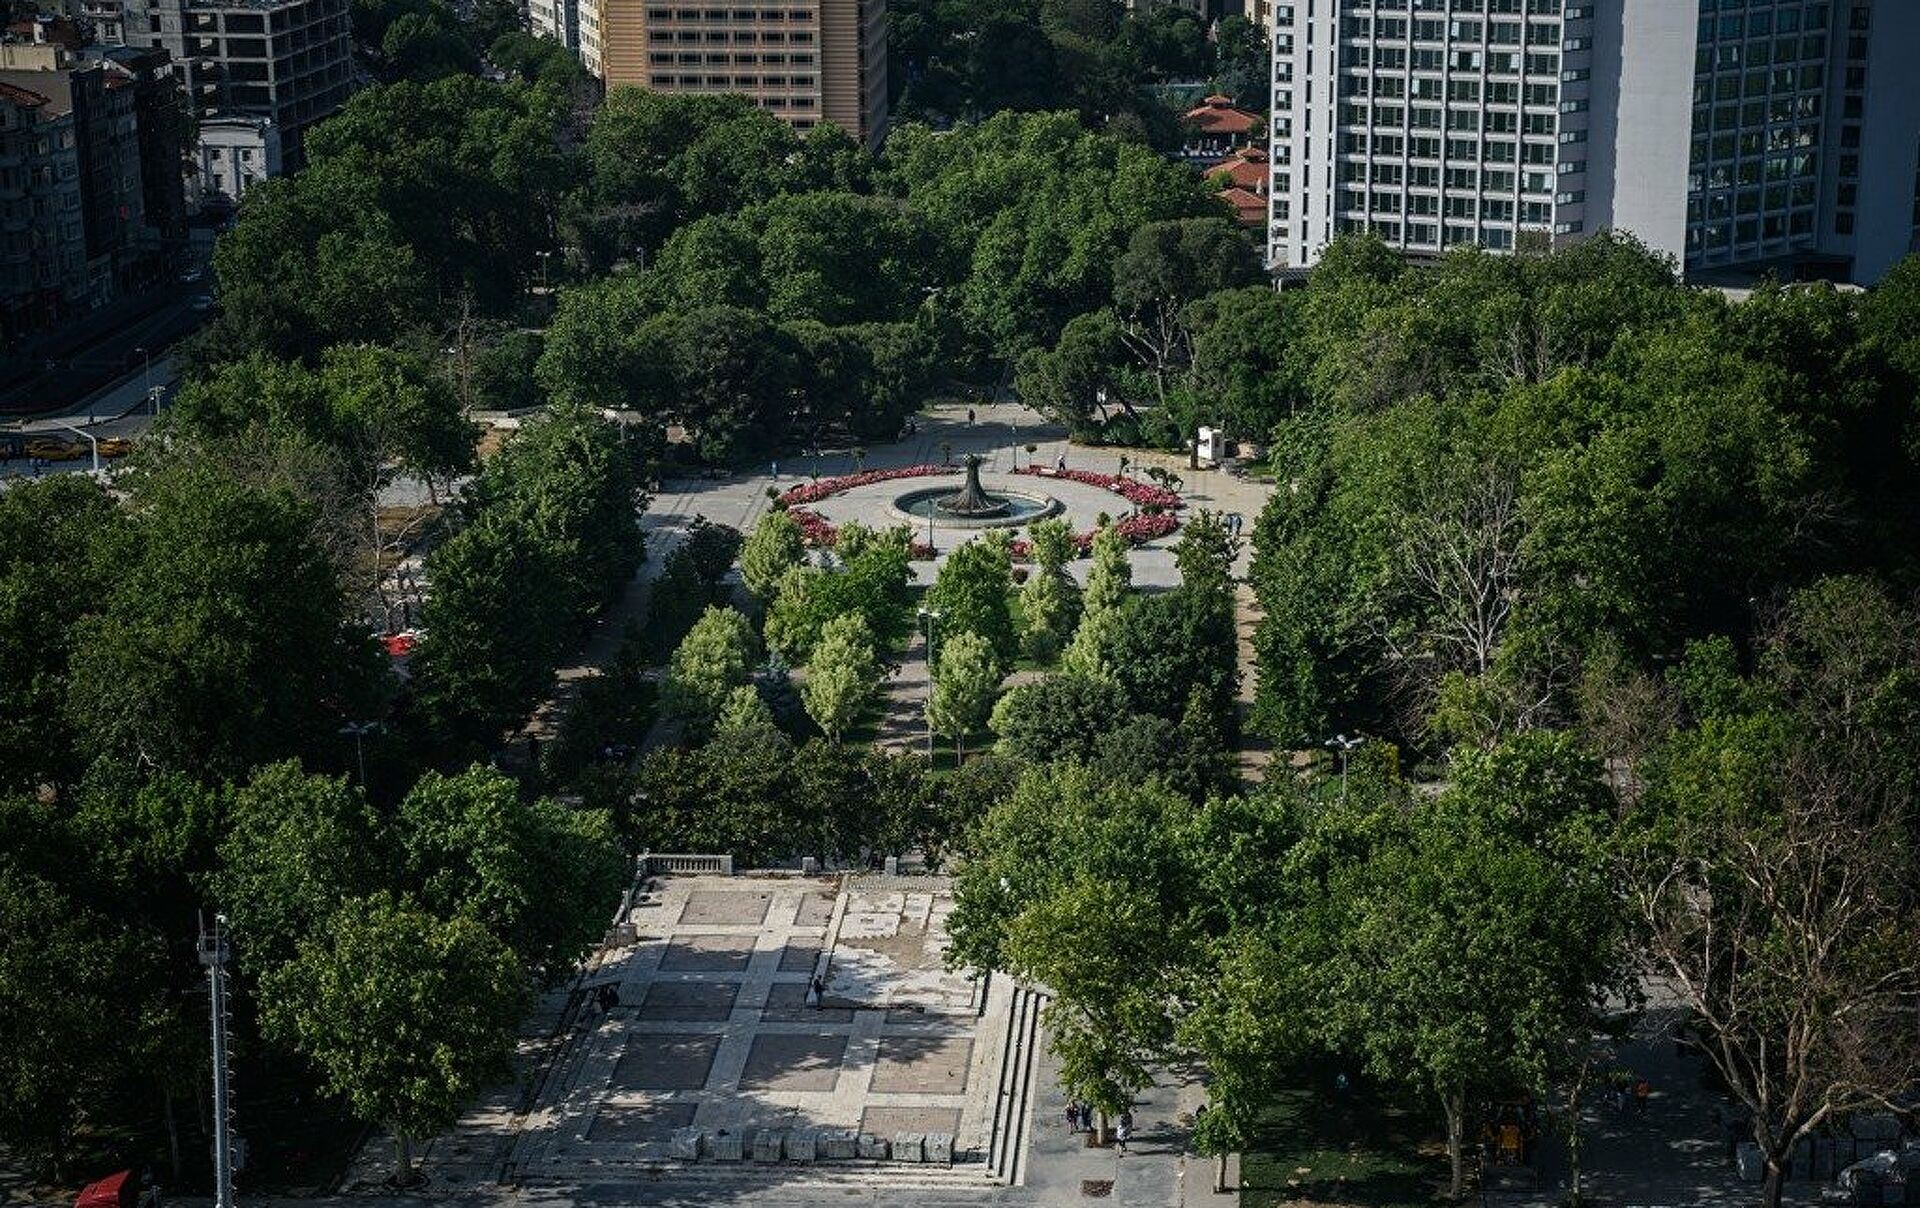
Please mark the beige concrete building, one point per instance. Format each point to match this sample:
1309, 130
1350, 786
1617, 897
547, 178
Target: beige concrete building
808, 61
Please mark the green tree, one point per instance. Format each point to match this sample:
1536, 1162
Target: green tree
1204, 556
1167, 266
1246, 374
1053, 544
713, 659
538, 875
1109, 580
1073, 883
1480, 932
842, 675
970, 594
405, 1016
965, 682
1047, 605
771, 550
1073, 382
68, 983
48, 574
295, 847
222, 640
1058, 718
1770, 859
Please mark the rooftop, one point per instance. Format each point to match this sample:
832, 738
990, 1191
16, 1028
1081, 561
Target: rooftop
34, 89
1217, 115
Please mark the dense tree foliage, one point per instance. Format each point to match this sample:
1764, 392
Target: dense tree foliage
1547, 461
549, 538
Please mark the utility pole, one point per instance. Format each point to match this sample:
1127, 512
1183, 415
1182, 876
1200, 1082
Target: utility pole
213, 954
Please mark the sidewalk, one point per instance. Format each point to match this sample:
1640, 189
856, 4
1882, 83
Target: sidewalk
1159, 1168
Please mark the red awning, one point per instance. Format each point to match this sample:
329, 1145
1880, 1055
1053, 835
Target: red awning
114, 1191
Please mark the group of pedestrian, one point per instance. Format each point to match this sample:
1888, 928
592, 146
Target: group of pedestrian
1234, 522
1080, 1120
605, 997
1079, 1117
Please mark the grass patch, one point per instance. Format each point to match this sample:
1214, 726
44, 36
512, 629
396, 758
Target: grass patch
1310, 1149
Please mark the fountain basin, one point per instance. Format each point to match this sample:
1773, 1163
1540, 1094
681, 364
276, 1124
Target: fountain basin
1020, 507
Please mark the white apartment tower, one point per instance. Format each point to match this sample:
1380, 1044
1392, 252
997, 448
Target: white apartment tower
1737, 135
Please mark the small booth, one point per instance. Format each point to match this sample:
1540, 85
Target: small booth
1210, 449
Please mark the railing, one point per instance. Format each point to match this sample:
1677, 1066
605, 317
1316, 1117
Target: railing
652, 863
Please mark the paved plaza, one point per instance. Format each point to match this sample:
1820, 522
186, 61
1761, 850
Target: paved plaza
721, 1062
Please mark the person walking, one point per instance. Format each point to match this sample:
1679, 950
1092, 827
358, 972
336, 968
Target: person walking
1060, 464
1123, 1132
969, 417
1073, 1117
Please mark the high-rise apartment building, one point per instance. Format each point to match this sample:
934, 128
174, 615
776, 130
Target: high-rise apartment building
287, 60
808, 62
75, 230
556, 19
1737, 135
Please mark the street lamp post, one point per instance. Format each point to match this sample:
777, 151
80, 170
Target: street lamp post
88, 437
929, 617
147, 356
1342, 744
360, 730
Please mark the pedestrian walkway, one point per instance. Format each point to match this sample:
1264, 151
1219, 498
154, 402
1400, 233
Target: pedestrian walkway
1671, 1155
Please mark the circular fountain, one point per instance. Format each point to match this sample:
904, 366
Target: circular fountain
973, 506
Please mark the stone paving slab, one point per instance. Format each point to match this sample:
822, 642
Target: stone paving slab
708, 954
726, 908
702, 1001
885, 1121
640, 1122
794, 1062
932, 1064
651, 1062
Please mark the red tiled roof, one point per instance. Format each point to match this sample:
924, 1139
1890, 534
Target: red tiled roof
1246, 169
1250, 208
1216, 115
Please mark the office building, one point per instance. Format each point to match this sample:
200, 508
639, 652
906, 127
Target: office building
812, 61
290, 61
1740, 136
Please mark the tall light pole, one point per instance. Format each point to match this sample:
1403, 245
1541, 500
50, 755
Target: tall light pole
1342, 744
148, 356
929, 618
213, 954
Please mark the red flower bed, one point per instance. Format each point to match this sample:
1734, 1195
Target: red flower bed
815, 529
1145, 494
814, 492
1138, 529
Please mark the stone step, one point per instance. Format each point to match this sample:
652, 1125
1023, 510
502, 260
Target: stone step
563, 1171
